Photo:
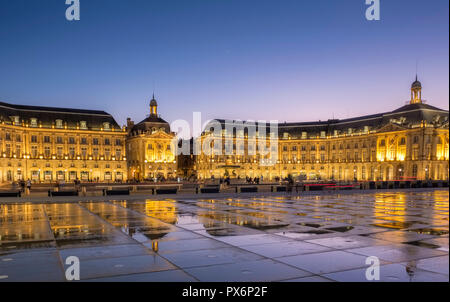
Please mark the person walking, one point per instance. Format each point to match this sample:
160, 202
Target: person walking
28, 185
22, 185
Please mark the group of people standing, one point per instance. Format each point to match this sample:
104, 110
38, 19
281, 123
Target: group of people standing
24, 184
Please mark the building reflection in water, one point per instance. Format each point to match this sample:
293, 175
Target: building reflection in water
69, 221
390, 207
22, 223
411, 268
155, 225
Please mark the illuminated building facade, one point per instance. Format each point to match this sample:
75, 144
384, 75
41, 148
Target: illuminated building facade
150, 148
411, 142
47, 144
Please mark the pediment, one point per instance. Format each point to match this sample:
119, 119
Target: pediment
391, 127
161, 135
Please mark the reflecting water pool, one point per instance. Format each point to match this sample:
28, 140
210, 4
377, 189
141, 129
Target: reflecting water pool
306, 238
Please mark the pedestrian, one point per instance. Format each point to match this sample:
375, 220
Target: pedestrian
22, 185
29, 184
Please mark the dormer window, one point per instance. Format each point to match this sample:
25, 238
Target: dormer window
304, 135
59, 124
83, 125
15, 119
106, 126
33, 122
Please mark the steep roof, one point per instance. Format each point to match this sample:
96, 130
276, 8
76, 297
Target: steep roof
48, 115
408, 115
152, 121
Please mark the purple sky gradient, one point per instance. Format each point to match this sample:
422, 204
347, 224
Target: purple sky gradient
286, 60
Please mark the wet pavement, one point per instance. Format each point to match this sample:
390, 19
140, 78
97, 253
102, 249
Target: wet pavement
322, 238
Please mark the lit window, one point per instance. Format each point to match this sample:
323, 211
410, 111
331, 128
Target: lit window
33, 122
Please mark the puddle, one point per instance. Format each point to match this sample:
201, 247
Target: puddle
27, 245
267, 227
341, 229
225, 232
423, 244
304, 234
312, 225
430, 231
396, 224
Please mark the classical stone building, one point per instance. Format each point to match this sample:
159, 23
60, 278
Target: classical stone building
46, 144
411, 142
151, 148
49, 144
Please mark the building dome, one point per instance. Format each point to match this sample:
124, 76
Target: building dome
416, 84
150, 124
153, 106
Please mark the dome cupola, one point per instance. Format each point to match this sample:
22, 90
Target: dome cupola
416, 92
153, 106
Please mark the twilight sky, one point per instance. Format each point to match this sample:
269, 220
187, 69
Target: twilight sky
289, 60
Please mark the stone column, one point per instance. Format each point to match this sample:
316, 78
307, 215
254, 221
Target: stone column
408, 147
434, 141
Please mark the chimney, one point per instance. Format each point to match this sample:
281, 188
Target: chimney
130, 124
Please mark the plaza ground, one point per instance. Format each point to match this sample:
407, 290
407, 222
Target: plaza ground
314, 236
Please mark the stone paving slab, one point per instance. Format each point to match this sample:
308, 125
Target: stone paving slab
272, 237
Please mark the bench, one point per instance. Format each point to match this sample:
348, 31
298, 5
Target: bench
10, 194
210, 190
167, 191
316, 187
62, 193
116, 192
249, 189
281, 189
